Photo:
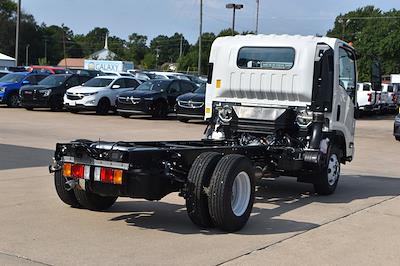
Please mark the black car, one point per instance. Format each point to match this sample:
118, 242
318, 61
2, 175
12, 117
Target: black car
155, 97
85, 72
191, 105
396, 131
50, 91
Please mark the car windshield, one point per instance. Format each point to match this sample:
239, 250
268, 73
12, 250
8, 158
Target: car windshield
12, 78
53, 80
201, 90
96, 82
154, 85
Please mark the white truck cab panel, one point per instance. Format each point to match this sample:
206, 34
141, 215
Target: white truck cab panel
279, 71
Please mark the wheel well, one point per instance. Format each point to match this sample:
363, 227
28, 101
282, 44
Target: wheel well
339, 140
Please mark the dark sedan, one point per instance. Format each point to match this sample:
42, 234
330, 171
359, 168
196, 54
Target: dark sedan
155, 97
396, 131
191, 105
50, 91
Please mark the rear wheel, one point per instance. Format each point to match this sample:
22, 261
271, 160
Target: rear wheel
13, 100
93, 201
198, 181
327, 177
68, 197
103, 107
231, 191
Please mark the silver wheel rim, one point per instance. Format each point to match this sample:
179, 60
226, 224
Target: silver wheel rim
241, 190
333, 169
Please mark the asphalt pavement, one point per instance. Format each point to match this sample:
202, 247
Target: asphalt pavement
290, 225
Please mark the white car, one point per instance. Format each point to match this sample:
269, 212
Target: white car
169, 75
98, 94
389, 92
367, 99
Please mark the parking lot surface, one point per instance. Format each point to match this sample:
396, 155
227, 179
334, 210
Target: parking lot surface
358, 225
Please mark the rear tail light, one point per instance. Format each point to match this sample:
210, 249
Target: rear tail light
76, 171
108, 175
369, 97
101, 174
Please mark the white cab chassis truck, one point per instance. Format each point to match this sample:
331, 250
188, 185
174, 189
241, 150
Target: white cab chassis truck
275, 105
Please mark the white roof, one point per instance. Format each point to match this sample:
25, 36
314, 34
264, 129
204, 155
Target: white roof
6, 57
273, 40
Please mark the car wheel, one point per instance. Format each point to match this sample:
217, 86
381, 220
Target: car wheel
93, 201
13, 101
198, 181
160, 110
231, 192
103, 107
327, 176
68, 197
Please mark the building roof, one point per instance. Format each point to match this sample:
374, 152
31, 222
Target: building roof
72, 62
103, 54
6, 57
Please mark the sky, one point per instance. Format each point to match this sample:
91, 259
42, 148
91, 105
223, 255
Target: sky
155, 17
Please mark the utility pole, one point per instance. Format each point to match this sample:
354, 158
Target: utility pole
200, 34
181, 47
234, 7
45, 50
258, 11
27, 54
17, 31
157, 56
65, 52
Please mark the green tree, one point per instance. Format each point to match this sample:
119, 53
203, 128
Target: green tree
374, 34
137, 47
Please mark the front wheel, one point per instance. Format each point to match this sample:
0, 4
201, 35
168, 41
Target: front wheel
327, 177
160, 110
13, 101
231, 192
103, 107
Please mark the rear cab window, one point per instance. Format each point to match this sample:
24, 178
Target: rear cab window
273, 58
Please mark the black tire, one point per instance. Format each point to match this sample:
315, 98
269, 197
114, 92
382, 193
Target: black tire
160, 110
125, 115
324, 183
184, 120
103, 107
93, 201
13, 100
198, 180
221, 192
68, 197
55, 105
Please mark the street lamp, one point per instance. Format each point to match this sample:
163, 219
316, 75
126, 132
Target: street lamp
234, 7
27, 54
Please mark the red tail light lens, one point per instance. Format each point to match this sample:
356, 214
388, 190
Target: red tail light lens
369, 97
78, 170
106, 175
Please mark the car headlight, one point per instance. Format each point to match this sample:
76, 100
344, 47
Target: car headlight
89, 93
46, 92
2, 89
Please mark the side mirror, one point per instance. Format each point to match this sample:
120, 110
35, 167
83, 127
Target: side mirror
115, 86
376, 76
25, 82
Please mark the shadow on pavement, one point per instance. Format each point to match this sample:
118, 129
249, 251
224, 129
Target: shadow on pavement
284, 195
14, 157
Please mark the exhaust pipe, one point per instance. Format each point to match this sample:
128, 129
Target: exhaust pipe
70, 185
318, 121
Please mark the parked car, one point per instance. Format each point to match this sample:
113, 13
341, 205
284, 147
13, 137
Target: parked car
3, 73
48, 69
98, 94
86, 72
191, 105
169, 75
390, 97
11, 83
155, 97
50, 91
396, 130
367, 99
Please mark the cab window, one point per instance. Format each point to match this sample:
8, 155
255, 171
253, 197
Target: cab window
347, 71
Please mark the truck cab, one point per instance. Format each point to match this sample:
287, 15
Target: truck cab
268, 73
